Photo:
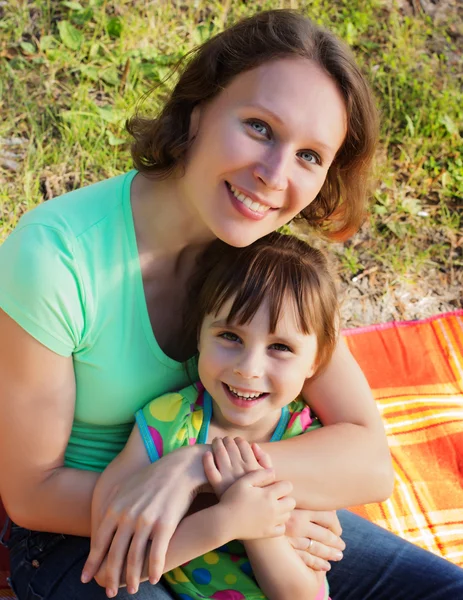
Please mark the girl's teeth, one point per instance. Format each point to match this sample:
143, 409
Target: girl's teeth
244, 395
255, 206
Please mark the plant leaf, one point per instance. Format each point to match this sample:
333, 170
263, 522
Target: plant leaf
71, 37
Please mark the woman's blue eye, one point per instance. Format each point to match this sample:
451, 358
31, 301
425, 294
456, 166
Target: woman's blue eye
310, 157
258, 127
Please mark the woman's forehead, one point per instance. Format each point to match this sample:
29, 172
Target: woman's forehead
291, 92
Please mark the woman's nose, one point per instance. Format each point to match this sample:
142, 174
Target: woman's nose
272, 171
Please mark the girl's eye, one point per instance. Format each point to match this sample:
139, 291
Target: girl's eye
229, 336
259, 127
280, 347
310, 157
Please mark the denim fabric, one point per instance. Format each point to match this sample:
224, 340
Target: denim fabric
47, 566
377, 565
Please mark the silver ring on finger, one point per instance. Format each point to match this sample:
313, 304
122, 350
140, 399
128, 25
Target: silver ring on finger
310, 544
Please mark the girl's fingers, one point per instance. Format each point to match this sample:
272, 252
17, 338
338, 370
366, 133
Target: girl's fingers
247, 454
210, 469
280, 489
234, 453
262, 457
221, 457
287, 505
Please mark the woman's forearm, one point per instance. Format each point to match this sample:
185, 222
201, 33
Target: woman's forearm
333, 467
61, 503
280, 572
346, 462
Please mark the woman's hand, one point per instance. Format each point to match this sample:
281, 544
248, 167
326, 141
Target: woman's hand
147, 506
316, 536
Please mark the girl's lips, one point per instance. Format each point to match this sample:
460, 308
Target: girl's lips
241, 403
243, 209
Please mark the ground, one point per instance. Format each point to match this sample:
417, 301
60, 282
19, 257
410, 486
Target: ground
71, 72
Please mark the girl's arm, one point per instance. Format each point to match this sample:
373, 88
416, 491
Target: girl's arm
346, 462
279, 571
256, 513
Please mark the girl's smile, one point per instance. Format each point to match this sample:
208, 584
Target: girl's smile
250, 372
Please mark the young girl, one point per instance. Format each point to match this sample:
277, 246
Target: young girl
265, 321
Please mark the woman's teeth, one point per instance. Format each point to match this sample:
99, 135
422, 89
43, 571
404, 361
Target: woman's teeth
245, 395
255, 206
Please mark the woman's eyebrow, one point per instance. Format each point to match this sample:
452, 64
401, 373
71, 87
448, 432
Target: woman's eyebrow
316, 143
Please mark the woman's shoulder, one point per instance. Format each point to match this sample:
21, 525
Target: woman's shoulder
77, 211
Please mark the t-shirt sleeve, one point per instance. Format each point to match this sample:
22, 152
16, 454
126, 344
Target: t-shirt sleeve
41, 288
302, 420
163, 424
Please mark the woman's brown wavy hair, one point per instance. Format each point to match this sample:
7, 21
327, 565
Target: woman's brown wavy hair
160, 144
274, 269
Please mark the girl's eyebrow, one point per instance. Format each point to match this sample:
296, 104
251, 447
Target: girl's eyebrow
220, 323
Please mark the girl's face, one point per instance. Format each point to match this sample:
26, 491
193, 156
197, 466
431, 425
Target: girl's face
252, 373
262, 149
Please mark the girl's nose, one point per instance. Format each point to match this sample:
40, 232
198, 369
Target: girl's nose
251, 366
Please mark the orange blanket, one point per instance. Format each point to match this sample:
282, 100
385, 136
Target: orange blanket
416, 372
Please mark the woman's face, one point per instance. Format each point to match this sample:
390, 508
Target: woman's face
262, 149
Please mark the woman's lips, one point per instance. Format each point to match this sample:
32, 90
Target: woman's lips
243, 209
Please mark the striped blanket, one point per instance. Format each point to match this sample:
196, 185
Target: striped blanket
416, 372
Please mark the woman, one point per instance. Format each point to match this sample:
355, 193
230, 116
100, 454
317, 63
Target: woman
269, 120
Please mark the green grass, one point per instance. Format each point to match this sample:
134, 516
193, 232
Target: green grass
71, 72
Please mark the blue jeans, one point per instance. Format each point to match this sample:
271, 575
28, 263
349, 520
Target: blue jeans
377, 565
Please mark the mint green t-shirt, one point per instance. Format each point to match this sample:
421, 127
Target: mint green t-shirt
70, 276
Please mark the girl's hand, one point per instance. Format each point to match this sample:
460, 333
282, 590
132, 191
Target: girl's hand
257, 506
230, 459
316, 536
147, 506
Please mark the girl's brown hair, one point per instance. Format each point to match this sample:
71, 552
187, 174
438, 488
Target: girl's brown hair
272, 269
160, 144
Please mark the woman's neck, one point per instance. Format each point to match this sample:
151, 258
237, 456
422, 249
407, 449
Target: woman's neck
165, 225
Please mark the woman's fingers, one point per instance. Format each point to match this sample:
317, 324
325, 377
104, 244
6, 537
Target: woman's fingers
315, 563
116, 559
328, 519
160, 538
100, 542
136, 558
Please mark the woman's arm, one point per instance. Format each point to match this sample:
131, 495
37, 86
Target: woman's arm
37, 406
280, 572
346, 462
